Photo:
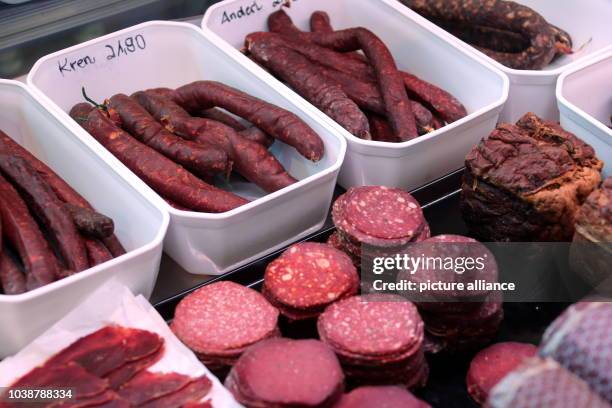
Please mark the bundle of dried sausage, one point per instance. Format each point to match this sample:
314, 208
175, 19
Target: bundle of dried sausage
163, 175
512, 34
48, 231
326, 60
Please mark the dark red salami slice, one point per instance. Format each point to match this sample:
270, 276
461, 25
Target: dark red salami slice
106, 349
310, 275
369, 325
492, 364
223, 316
287, 373
123, 374
193, 392
380, 397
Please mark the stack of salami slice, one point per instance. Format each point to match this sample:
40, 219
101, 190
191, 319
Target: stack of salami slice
375, 221
219, 321
307, 278
378, 339
456, 320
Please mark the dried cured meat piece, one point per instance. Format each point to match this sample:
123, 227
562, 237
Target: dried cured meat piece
320, 23
528, 180
503, 15
127, 371
275, 121
97, 252
251, 133
49, 209
580, 341
492, 364
21, 231
305, 78
106, 349
287, 373
89, 222
307, 277
148, 386
193, 391
380, 129
162, 174
543, 383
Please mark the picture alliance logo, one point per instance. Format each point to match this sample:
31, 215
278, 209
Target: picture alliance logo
412, 265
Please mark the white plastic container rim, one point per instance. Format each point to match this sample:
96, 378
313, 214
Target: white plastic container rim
384, 149
185, 216
49, 288
564, 101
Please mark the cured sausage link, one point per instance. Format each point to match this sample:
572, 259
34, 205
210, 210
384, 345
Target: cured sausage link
22, 232
305, 78
89, 222
251, 132
63, 190
503, 15
251, 159
275, 121
12, 280
198, 158
159, 172
49, 208
320, 23
97, 253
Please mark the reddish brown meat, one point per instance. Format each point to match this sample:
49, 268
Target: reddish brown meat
90, 222
251, 133
106, 349
22, 232
381, 131
199, 158
12, 280
320, 23
126, 372
162, 174
251, 159
193, 392
49, 209
275, 121
148, 386
306, 79
63, 190
97, 253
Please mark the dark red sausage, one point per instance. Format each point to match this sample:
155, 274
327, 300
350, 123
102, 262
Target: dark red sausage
303, 76
251, 159
12, 280
89, 222
381, 131
97, 253
22, 232
275, 121
49, 209
320, 23
252, 133
198, 158
63, 190
159, 172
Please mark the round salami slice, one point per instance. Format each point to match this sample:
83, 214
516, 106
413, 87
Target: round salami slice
492, 364
386, 213
371, 325
310, 276
378, 216
223, 316
287, 373
380, 397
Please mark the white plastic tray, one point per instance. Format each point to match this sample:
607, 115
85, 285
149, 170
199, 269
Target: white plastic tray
588, 23
171, 55
480, 87
584, 95
140, 224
